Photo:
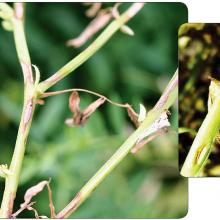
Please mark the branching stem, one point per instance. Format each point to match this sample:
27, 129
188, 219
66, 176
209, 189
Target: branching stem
11, 181
166, 100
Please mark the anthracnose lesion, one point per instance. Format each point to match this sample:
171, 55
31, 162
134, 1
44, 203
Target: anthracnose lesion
217, 139
200, 153
28, 112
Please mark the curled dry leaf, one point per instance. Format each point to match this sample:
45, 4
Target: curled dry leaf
137, 118
99, 22
74, 101
80, 117
30, 193
51, 205
30, 208
92, 107
101, 18
133, 115
33, 191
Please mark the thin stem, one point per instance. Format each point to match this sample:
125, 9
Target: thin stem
93, 48
11, 182
48, 94
202, 144
166, 100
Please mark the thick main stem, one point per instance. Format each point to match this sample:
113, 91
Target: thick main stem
12, 180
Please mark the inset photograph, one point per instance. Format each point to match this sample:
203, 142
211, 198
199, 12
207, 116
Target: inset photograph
199, 100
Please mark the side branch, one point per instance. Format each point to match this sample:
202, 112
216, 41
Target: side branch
93, 48
167, 99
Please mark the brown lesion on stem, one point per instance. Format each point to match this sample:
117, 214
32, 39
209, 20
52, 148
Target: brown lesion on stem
96, 25
70, 207
54, 78
28, 112
163, 99
11, 204
27, 72
142, 143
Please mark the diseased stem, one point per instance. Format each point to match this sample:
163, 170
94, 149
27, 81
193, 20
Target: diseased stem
11, 181
94, 47
166, 100
32, 90
202, 144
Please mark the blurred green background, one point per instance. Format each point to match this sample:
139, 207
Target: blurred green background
127, 69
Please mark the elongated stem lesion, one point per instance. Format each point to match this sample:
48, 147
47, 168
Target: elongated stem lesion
166, 100
12, 180
13, 20
202, 144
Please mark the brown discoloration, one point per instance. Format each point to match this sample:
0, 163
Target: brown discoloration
54, 78
28, 112
40, 102
95, 25
11, 204
27, 72
142, 143
51, 205
133, 115
134, 9
80, 117
70, 207
163, 99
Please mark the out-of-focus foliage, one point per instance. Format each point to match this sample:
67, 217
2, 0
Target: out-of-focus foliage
127, 69
199, 59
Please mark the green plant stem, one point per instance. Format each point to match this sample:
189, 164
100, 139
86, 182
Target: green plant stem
202, 144
31, 91
11, 181
93, 48
166, 100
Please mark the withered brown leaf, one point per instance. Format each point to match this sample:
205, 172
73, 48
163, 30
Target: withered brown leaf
133, 115
33, 191
74, 101
91, 108
80, 117
30, 193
